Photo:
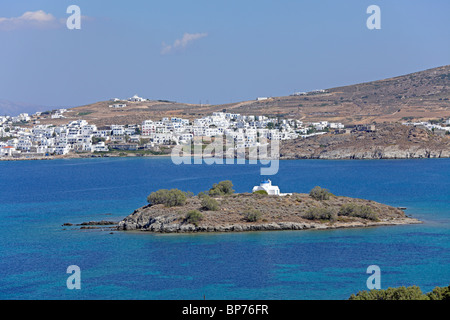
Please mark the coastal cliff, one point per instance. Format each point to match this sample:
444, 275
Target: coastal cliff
389, 141
258, 212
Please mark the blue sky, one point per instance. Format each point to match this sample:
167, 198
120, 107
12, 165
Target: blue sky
232, 50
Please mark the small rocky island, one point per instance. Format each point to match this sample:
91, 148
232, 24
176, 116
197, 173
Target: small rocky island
222, 210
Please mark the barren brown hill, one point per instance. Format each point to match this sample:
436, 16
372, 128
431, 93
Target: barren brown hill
101, 114
422, 95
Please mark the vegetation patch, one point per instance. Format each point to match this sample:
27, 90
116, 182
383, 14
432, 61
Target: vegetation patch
209, 203
252, 215
193, 217
320, 194
222, 188
264, 192
84, 113
359, 211
320, 214
169, 198
403, 293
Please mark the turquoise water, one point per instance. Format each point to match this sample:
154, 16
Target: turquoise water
37, 197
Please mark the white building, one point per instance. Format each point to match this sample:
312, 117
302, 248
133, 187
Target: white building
136, 98
57, 115
118, 105
333, 125
100, 147
267, 186
62, 149
148, 127
118, 130
21, 117
7, 151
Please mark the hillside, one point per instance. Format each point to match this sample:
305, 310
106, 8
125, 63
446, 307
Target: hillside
389, 141
421, 95
101, 114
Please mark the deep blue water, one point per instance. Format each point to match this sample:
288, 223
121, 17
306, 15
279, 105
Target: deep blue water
37, 197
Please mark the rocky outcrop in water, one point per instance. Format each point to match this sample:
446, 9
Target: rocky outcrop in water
275, 213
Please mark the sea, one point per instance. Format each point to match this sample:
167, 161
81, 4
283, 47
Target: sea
36, 250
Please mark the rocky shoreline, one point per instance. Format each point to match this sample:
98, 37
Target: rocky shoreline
367, 153
389, 153
389, 141
160, 226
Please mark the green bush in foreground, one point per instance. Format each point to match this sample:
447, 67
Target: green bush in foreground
439, 293
170, 198
320, 194
403, 293
320, 214
360, 211
194, 217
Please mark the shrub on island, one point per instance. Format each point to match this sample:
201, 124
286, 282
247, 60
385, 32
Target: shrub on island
169, 198
209, 203
359, 211
222, 188
194, 217
252, 215
320, 194
320, 214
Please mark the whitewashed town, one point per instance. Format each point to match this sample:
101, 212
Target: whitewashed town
76, 137
18, 141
